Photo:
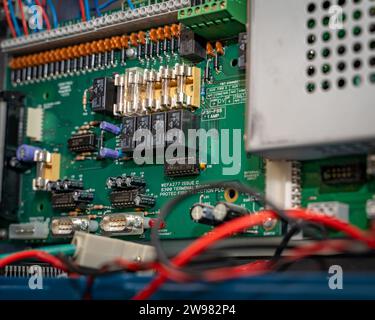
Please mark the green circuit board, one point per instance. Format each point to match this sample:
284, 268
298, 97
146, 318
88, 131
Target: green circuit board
223, 103
222, 107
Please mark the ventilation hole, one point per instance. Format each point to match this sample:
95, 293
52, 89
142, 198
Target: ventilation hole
326, 52
372, 78
341, 2
326, 5
326, 36
310, 71
371, 28
326, 85
311, 7
357, 14
311, 23
310, 87
326, 68
357, 80
371, 61
341, 34
372, 44
325, 21
357, 64
357, 47
357, 31
341, 50
311, 54
341, 83
356, 1
311, 39
343, 17
371, 12
341, 66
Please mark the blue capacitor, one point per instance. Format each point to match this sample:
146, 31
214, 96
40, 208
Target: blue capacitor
107, 153
109, 127
25, 153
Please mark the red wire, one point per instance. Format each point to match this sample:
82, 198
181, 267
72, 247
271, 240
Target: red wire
246, 222
33, 254
9, 20
82, 8
45, 16
24, 23
202, 244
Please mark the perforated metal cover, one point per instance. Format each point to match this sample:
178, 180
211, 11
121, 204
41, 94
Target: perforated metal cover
311, 80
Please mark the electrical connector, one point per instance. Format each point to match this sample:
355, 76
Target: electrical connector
95, 251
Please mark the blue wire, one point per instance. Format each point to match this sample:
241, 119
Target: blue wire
54, 14
131, 5
108, 3
14, 19
97, 9
87, 9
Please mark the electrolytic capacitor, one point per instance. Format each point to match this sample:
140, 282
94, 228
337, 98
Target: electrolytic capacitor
144, 201
203, 213
107, 153
109, 127
25, 153
225, 211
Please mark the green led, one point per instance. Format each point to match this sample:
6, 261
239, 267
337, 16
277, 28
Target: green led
357, 80
326, 68
341, 33
357, 31
357, 14
326, 36
310, 87
311, 23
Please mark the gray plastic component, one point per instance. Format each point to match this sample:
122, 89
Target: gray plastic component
284, 120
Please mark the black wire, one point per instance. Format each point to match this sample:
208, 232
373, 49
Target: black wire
168, 207
295, 229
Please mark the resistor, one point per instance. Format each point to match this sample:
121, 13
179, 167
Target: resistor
80, 158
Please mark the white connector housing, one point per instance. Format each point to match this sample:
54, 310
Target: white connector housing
34, 127
95, 251
283, 183
331, 208
35, 229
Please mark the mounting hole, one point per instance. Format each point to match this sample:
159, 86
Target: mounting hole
46, 95
231, 195
40, 207
234, 63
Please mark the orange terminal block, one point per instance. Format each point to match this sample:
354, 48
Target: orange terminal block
107, 44
116, 43
134, 39
160, 34
142, 37
168, 32
153, 35
124, 42
176, 30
